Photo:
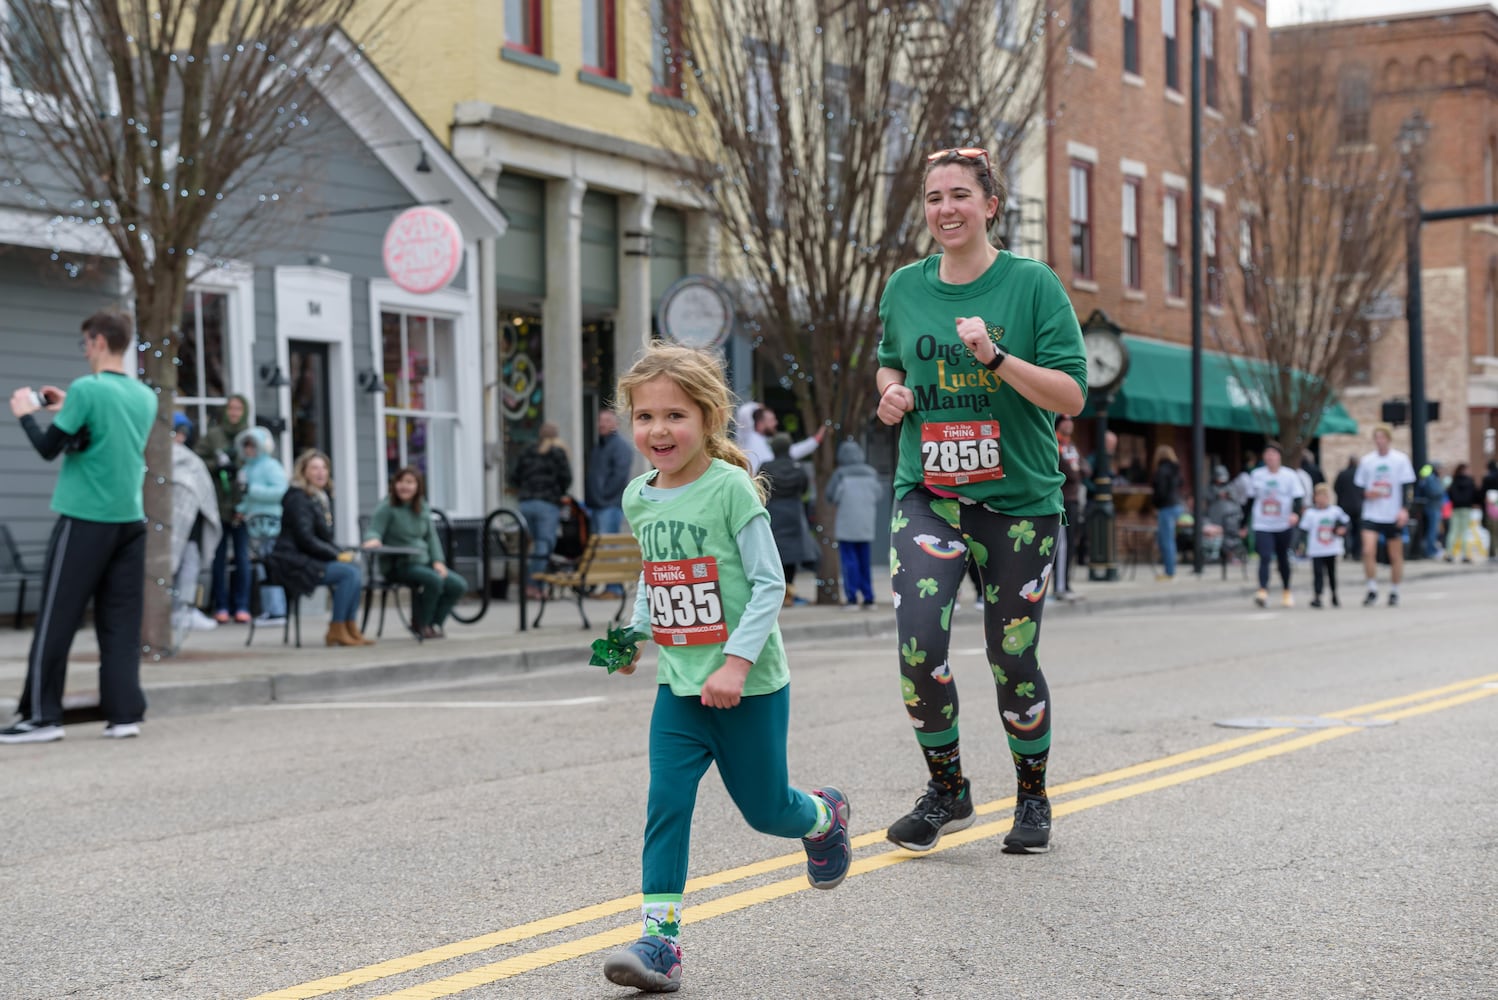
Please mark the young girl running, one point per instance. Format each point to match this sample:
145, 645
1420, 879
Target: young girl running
709, 595
1325, 526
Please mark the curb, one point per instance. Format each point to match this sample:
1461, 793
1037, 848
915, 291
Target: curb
187, 697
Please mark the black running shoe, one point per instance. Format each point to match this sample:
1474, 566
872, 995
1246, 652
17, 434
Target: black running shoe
935, 813
1393, 600
1370, 599
1031, 833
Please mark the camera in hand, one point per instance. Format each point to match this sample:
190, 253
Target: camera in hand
42, 398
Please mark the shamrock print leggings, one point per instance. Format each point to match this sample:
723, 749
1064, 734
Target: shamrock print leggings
932, 539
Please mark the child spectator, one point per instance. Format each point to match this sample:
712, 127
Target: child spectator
856, 489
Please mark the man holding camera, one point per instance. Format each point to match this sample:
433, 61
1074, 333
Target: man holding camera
98, 546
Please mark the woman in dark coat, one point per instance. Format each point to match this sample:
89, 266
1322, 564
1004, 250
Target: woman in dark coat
787, 485
306, 557
542, 476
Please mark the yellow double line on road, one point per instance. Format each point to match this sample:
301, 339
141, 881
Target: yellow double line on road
1128, 782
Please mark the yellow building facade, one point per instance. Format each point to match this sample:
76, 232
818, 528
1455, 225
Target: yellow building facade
559, 112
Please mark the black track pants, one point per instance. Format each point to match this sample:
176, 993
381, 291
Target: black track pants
105, 562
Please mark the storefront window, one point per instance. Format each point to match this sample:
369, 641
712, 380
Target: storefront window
520, 384
202, 368
420, 404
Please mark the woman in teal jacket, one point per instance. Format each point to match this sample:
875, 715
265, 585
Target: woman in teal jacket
403, 519
262, 484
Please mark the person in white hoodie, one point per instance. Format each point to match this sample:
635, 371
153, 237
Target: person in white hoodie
755, 424
195, 519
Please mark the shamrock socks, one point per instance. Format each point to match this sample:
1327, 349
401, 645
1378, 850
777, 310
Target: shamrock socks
662, 914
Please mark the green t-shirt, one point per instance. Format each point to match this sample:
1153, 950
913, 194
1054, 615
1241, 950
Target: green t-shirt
678, 536
1026, 308
103, 482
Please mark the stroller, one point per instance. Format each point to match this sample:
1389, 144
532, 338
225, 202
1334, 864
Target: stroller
1220, 539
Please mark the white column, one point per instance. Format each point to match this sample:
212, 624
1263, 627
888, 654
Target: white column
562, 318
632, 325
471, 148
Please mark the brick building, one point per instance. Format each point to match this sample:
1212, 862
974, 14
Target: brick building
1119, 221
1445, 65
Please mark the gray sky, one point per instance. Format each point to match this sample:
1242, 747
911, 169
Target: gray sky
1291, 11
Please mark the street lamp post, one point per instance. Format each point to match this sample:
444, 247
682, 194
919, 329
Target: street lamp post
1198, 418
1411, 140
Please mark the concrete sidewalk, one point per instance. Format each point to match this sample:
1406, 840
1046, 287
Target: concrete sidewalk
216, 670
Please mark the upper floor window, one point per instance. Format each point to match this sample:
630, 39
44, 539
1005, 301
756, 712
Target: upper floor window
1209, 55
1175, 264
523, 25
1168, 21
1248, 265
1355, 100
598, 38
1130, 36
1246, 72
837, 111
1133, 264
1210, 260
1081, 25
1007, 27
1081, 219
764, 129
667, 50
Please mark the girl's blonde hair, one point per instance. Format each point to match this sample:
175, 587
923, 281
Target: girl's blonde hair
299, 470
700, 376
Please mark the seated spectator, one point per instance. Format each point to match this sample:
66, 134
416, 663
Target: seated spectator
305, 556
262, 485
196, 528
403, 519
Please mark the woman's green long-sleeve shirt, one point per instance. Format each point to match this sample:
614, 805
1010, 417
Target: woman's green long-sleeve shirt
400, 525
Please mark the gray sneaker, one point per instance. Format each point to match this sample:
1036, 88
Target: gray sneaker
936, 812
1031, 832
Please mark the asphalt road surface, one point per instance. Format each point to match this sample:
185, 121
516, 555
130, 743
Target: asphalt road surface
483, 841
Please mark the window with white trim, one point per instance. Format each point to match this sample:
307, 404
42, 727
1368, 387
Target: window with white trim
1245, 72
22, 30
1168, 21
1081, 219
1209, 255
762, 114
837, 109
203, 356
1133, 264
1081, 26
1247, 265
1130, 36
1175, 264
420, 397
1209, 55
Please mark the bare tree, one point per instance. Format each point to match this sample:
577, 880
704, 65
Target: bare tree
1318, 241
810, 118
168, 124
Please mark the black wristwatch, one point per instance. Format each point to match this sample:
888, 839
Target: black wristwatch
999, 354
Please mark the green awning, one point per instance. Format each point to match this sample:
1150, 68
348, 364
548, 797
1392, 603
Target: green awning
1157, 390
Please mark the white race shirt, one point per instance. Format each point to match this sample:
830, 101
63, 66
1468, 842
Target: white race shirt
1320, 524
1382, 479
1274, 496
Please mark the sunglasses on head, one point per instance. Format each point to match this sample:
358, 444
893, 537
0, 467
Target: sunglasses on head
966, 152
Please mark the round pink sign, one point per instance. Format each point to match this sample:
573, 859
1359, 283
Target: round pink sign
423, 249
